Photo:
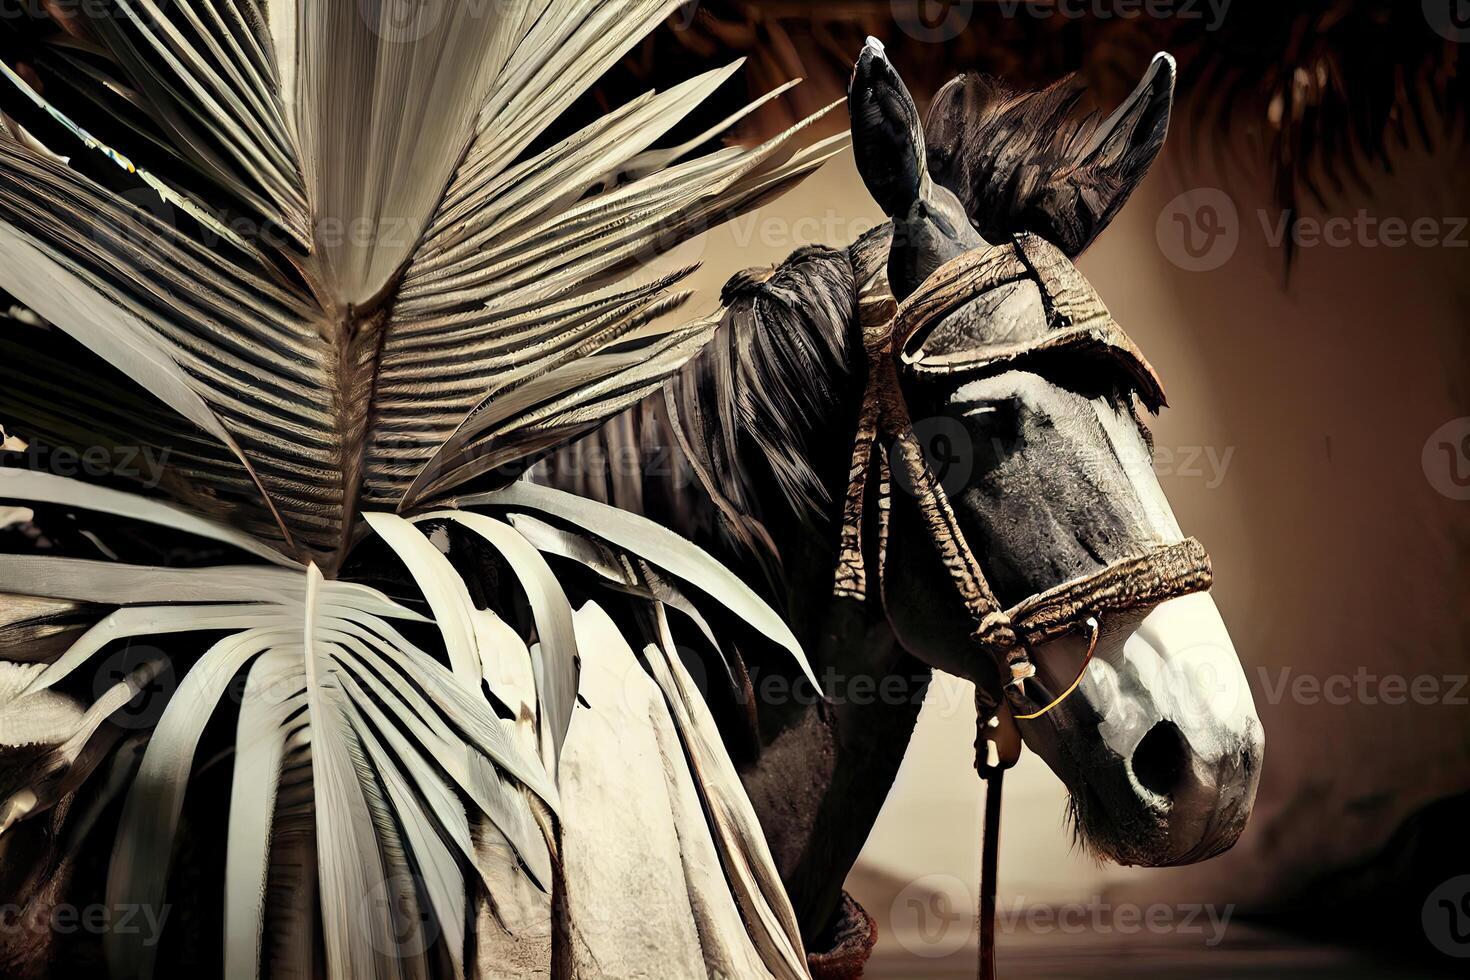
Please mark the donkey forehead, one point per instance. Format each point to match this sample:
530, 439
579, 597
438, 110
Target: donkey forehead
1021, 304
1023, 273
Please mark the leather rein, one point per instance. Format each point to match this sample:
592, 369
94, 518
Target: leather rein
894, 339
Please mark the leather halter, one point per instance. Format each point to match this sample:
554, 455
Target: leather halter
894, 340
1080, 327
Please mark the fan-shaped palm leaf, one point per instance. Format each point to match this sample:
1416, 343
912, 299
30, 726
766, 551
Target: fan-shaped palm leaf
327, 262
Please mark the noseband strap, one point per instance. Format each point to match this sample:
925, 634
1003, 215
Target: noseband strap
893, 336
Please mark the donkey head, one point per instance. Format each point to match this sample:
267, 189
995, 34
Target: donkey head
1049, 467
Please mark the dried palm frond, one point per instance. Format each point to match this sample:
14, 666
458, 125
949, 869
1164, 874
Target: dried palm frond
1318, 95
324, 263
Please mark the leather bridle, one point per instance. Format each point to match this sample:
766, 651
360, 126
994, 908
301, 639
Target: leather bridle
896, 340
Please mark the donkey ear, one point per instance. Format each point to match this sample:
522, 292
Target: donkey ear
1123, 148
1028, 163
887, 137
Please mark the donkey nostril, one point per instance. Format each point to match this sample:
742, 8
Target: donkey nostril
1160, 759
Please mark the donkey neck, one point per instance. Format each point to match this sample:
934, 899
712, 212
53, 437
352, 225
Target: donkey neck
822, 767
746, 453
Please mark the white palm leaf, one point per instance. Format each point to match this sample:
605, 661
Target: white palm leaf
360, 262
403, 751
335, 281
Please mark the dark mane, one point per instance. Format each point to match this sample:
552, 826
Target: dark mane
1021, 161
746, 435
752, 402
